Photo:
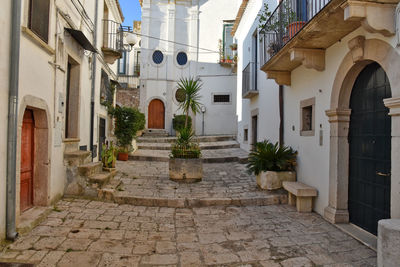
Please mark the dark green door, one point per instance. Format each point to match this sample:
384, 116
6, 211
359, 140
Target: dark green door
370, 149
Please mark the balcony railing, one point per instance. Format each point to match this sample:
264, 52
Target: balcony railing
128, 81
249, 81
112, 35
284, 23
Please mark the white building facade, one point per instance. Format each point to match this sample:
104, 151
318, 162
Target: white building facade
180, 39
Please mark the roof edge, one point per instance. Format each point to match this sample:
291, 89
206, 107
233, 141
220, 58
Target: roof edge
239, 16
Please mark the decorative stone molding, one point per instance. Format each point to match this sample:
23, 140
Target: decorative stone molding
394, 105
280, 77
397, 25
356, 46
338, 115
374, 17
310, 58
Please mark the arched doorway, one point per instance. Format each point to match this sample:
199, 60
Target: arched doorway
369, 149
156, 114
27, 160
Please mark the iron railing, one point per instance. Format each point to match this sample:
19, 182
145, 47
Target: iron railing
285, 22
113, 35
249, 78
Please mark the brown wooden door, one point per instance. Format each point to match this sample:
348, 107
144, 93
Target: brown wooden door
27, 159
156, 114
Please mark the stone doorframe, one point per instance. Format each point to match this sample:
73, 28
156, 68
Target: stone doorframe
42, 163
362, 52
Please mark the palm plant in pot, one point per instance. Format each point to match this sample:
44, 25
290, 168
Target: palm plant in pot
272, 164
185, 162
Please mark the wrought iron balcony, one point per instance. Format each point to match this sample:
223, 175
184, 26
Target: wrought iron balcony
249, 81
112, 41
285, 22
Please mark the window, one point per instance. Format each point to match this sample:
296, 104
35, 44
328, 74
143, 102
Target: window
158, 57
122, 64
307, 120
221, 98
38, 20
181, 58
227, 39
245, 135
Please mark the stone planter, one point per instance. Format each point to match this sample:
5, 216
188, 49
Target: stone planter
185, 170
273, 180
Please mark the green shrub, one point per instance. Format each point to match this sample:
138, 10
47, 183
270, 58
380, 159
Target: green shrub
127, 122
185, 147
178, 122
267, 156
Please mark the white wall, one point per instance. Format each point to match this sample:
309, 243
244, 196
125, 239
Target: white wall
267, 101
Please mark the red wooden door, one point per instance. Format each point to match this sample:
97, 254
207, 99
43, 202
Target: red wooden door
156, 114
27, 158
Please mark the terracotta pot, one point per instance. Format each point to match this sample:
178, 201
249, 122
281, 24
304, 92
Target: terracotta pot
123, 156
294, 27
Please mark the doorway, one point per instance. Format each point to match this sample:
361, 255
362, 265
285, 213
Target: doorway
72, 100
156, 114
27, 160
369, 149
254, 127
102, 135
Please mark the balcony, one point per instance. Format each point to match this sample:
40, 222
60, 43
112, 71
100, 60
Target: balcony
299, 31
249, 81
128, 81
112, 41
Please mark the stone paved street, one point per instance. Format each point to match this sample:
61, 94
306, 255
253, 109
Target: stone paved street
91, 233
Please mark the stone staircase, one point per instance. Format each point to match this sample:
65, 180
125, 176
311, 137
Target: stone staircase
215, 149
84, 178
155, 133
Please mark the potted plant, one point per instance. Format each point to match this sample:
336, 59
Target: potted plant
233, 46
185, 163
191, 89
128, 122
272, 164
108, 157
178, 123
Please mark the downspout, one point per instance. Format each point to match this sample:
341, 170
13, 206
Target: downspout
93, 91
11, 233
281, 123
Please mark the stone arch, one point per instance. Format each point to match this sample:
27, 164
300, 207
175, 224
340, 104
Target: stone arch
42, 163
362, 52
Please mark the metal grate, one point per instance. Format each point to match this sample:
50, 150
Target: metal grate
222, 98
158, 57
182, 58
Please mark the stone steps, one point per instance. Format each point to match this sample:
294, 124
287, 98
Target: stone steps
203, 146
90, 169
154, 133
200, 139
208, 156
101, 178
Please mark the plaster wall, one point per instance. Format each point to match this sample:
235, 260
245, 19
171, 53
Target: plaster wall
267, 100
187, 26
313, 156
5, 25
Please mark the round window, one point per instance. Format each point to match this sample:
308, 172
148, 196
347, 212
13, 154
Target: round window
158, 57
180, 95
181, 58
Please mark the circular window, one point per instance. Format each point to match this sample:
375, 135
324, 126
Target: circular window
158, 57
181, 58
180, 95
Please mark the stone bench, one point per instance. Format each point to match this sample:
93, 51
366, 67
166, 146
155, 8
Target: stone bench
300, 194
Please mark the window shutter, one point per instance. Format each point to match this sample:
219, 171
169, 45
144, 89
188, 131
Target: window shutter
39, 18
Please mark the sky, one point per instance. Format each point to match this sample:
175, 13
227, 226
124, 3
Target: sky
131, 10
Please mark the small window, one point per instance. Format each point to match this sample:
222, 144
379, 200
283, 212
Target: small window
122, 64
227, 41
307, 113
181, 58
158, 57
38, 20
222, 98
246, 135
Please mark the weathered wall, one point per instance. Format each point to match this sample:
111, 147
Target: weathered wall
129, 97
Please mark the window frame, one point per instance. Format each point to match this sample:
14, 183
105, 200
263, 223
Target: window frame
45, 39
307, 103
226, 24
124, 55
221, 103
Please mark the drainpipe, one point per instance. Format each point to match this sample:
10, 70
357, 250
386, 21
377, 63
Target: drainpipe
96, 14
11, 232
281, 124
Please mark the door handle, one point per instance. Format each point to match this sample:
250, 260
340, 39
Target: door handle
383, 174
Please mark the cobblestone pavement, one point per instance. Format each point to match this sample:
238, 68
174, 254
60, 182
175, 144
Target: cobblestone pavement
91, 233
222, 182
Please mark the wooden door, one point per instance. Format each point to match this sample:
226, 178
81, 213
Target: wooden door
370, 149
27, 160
156, 114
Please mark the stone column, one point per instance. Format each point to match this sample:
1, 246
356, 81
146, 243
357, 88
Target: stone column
337, 211
389, 243
394, 106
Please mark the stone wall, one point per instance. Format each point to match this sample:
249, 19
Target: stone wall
128, 97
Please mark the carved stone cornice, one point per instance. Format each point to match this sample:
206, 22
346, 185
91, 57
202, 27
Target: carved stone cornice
338, 115
356, 46
309, 58
280, 77
394, 105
